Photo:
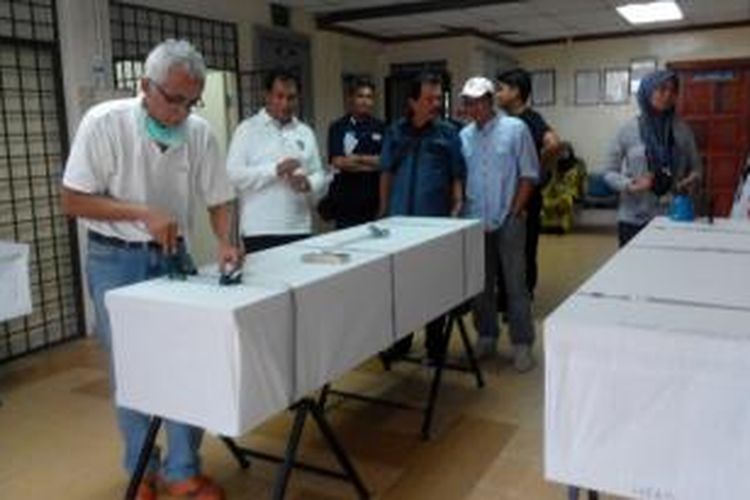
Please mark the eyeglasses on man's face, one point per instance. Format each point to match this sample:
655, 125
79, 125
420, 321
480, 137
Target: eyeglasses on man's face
177, 100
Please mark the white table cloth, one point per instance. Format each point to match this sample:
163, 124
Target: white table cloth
217, 357
472, 233
646, 369
342, 312
726, 235
437, 263
15, 292
226, 358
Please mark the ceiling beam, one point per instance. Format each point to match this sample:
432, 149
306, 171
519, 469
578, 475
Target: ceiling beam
345, 30
448, 33
504, 41
403, 9
671, 30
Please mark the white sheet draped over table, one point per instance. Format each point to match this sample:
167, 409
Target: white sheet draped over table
15, 292
647, 368
227, 358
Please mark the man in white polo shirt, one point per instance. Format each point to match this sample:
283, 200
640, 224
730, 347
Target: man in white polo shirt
134, 170
274, 163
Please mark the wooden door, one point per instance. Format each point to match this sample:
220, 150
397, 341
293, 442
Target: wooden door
715, 101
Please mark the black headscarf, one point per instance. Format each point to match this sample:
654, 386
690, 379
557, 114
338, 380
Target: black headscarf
656, 126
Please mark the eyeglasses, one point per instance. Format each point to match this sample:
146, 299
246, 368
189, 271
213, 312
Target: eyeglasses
178, 100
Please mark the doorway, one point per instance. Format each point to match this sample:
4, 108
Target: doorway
714, 100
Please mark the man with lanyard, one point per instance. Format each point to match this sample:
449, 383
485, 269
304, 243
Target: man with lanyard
502, 169
513, 92
422, 173
132, 174
274, 164
354, 143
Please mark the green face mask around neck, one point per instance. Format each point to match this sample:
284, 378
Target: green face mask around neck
170, 137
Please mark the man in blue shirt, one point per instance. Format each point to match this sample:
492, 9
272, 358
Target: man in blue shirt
354, 143
422, 172
502, 170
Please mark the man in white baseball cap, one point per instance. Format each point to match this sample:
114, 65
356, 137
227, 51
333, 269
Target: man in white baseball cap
476, 87
502, 169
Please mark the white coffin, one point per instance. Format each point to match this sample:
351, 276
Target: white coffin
646, 372
343, 312
216, 357
473, 247
427, 262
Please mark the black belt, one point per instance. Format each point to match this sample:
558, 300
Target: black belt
120, 243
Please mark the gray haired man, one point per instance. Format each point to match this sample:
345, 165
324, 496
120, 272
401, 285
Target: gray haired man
133, 169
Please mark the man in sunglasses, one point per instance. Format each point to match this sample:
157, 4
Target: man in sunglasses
134, 170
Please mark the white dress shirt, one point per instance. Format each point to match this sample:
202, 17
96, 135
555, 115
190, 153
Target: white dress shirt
268, 204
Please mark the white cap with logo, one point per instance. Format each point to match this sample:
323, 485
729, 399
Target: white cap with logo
477, 86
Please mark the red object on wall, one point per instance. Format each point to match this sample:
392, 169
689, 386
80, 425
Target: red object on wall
714, 100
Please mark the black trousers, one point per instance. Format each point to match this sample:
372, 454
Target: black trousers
355, 220
626, 232
265, 241
533, 228
433, 337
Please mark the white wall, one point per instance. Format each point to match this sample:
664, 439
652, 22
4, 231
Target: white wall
490, 59
85, 47
590, 128
458, 52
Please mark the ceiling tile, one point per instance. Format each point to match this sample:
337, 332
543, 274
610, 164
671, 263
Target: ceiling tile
532, 19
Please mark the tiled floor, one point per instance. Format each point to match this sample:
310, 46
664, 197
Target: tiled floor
58, 438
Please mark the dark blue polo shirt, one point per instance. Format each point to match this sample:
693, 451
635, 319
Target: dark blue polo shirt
424, 164
355, 193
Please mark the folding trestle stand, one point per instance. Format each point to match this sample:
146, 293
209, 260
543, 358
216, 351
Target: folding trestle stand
310, 407
455, 317
302, 409
573, 492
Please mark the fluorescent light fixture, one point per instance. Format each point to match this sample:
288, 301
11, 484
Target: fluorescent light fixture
653, 12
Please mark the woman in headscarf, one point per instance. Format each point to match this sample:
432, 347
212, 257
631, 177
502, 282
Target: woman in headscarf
653, 155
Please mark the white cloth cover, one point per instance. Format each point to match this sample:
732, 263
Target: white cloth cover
437, 263
343, 312
227, 358
15, 293
646, 369
217, 357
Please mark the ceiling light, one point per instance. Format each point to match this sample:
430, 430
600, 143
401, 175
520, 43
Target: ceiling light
653, 12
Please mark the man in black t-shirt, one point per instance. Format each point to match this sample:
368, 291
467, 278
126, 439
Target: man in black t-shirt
354, 144
513, 91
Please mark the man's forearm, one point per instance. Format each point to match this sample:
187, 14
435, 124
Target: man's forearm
221, 221
355, 163
457, 197
550, 150
99, 207
371, 162
523, 195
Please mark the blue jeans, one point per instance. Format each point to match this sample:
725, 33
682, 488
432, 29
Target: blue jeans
109, 267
